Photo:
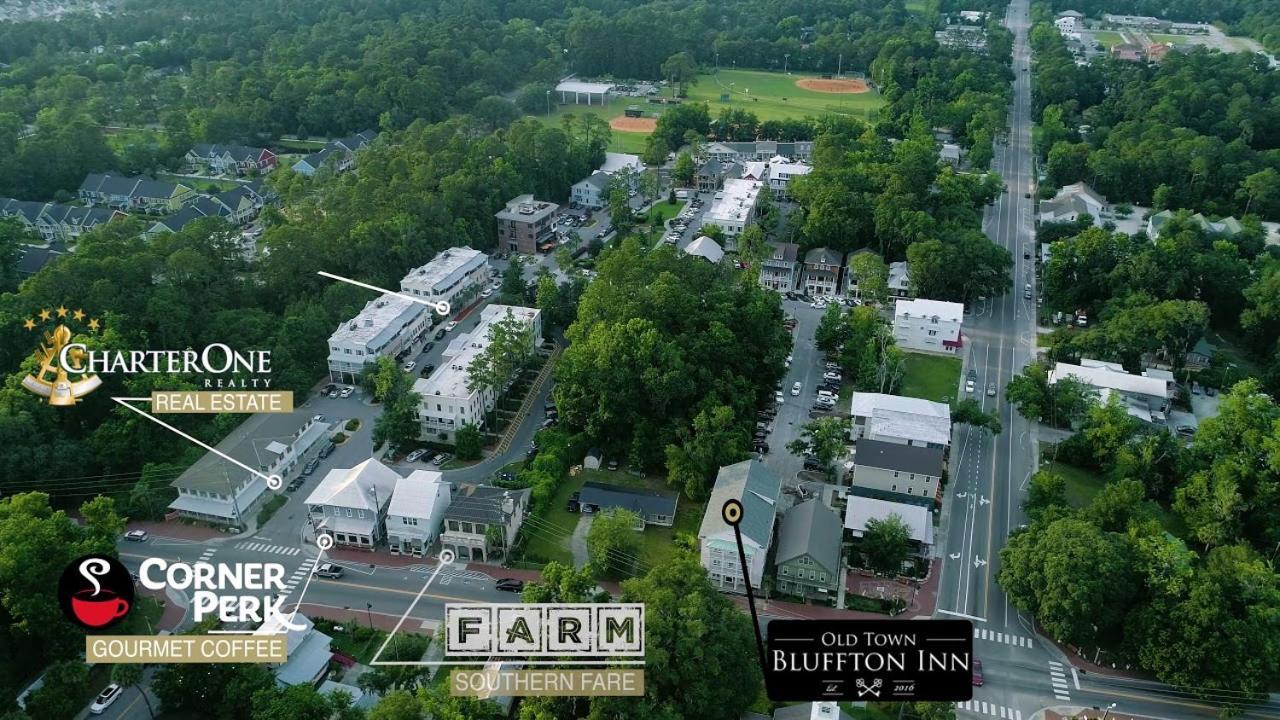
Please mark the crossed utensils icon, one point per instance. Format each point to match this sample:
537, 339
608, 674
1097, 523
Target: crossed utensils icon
873, 688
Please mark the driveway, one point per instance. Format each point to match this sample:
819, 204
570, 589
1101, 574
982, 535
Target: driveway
578, 541
807, 368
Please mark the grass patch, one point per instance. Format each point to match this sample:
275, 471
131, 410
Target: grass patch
1083, 484
657, 544
915, 6
1107, 38
200, 183
664, 211
304, 145
269, 508
625, 142
1171, 39
931, 377
775, 96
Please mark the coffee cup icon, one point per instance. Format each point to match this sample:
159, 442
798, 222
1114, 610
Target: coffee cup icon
96, 610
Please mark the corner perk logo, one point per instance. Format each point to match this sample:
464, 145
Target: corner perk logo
56, 383
95, 591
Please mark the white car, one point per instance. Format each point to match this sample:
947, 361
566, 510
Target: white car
789, 359
795, 389
486, 292
109, 695
409, 366
496, 284
450, 325
136, 535
828, 394
346, 392
777, 396
413, 456
968, 386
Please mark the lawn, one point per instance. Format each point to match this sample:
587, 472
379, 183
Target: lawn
1171, 39
199, 183
623, 142
305, 145
665, 211
1084, 484
1107, 38
546, 544
931, 377
775, 96
915, 6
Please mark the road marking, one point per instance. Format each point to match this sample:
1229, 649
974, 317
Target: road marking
962, 615
1075, 677
1058, 679
268, 548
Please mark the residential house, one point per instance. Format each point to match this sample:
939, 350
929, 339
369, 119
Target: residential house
340, 154
899, 279
448, 398
1200, 356
1128, 52
525, 225
951, 154
652, 507
455, 276
705, 248
308, 650
55, 221
350, 504
591, 191
385, 327
416, 512
901, 473
734, 208
928, 325
1071, 202
232, 159
134, 193
713, 173
33, 258
807, 561
781, 172
1144, 396
919, 520
758, 150
896, 280
242, 204
781, 269
1227, 227
898, 419
224, 493
474, 510
757, 487
822, 272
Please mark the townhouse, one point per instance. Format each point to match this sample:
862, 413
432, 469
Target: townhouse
454, 276
55, 221
821, 274
754, 485
231, 159
139, 194
759, 150
932, 326
781, 269
386, 326
416, 512
340, 155
350, 504
474, 511
902, 473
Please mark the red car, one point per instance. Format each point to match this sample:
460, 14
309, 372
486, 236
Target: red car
977, 672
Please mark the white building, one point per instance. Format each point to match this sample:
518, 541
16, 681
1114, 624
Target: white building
416, 511
351, 503
1069, 23
781, 270
591, 191
781, 173
928, 325
1146, 396
1071, 202
577, 92
308, 650
734, 207
757, 488
214, 490
919, 520
454, 276
385, 327
899, 279
447, 403
705, 248
904, 420
613, 162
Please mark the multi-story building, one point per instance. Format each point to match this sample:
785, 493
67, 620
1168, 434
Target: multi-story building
902, 473
928, 325
754, 485
759, 150
351, 503
448, 402
591, 191
525, 224
454, 276
898, 419
54, 221
214, 490
807, 562
385, 327
1147, 396
712, 174
476, 509
781, 269
232, 159
734, 207
821, 273
781, 172
134, 193
416, 512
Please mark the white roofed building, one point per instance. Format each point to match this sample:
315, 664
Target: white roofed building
928, 325
782, 171
416, 511
734, 207
308, 650
903, 420
351, 503
577, 92
705, 248
613, 162
1147, 396
385, 327
918, 519
454, 276
1071, 202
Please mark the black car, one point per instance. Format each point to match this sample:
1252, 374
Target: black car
762, 447
812, 464
573, 506
311, 466
510, 585
427, 369
324, 451
328, 389
427, 348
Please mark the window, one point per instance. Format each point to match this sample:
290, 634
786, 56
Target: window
894, 488
932, 333
785, 571
348, 512
822, 577
895, 473
360, 514
813, 575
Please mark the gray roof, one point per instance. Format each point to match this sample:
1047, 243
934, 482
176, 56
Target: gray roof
757, 487
823, 256
248, 444
1204, 347
785, 252
810, 528
641, 501
355, 142
33, 259
903, 458
711, 167
482, 503
597, 179
237, 152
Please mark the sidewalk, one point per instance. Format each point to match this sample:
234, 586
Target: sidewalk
382, 621
178, 531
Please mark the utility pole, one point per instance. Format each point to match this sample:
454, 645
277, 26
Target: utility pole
839, 65
235, 505
786, 57
369, 611
548, 102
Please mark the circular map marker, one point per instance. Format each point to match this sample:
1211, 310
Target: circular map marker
447, 557
732, 512
324, 541
275, 482
442, 308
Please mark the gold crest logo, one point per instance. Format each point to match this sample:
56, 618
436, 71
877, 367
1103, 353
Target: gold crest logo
53, 382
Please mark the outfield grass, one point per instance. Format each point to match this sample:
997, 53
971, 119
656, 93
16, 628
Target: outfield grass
931, 377
624, 142
775, 96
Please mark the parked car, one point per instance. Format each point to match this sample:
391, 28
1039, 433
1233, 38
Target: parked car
762, 447
777, 397
136, 536
440, 333
1026, 291
295, 484
991, 389
441, 459
977, 672
409, 366
968, 386
328, 570
795, 388
548, 423
326, 450
573, 506
428, 347
449, 326
813, 464
413, 456
109, 695
486, 292
346, 392
509, 585
428, 457
311, 466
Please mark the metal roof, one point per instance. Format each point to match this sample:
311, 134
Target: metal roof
757, 487
640, 501
902, 458
810, 528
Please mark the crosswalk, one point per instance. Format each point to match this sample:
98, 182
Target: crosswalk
208, 553
1058, 676
1006, 638
268, 548
297, 577
986, 708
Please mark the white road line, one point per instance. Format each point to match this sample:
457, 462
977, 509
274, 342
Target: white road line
1075, 677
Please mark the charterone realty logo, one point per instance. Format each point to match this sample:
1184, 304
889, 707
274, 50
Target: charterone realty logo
62, 379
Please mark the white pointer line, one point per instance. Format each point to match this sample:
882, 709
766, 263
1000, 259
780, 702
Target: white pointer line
375, 661
206, 446
441, 308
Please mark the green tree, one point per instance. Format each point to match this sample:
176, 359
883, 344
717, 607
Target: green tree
514, 290
1060, 403
397, 705
560, 583
129, 675
468, 442
684, 170
716, 439
655, 151
872, 277
969, 412
681, 71
63, 691
886, 544
824, 439
297, 702
619, 204
1046, 490
831, 330
613, 543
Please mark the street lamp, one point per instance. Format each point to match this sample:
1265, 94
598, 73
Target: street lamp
369, 610
1107, 712
785, 57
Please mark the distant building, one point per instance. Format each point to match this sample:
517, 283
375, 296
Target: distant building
652, 507
340, 155
232, 159
705, 248
781, 172
591, 191
901, 473
577, 92
1226, 227
134, 193
1143, 396
1071, 202
756, 487
758, 151
1128, 52
55, 221
781, 269
216, 491
416, 512
950, 153
898, 419
928, 325
899, 279
1069, 22
712, 174
384, 328
821, 274
350, 504
1200, 356
807, 561
308, 650
1137, 22
455, 276
525, 224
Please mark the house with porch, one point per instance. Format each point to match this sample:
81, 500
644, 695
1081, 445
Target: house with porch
350, 504
482, 521
757, 487
821, 274
807, 561
231, 159
416, 512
